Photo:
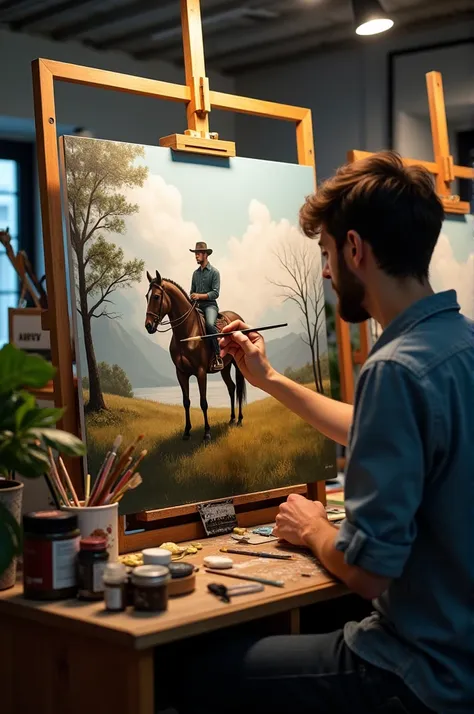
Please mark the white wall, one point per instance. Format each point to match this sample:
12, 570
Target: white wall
347, 91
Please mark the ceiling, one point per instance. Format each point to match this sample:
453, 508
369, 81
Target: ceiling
237, 34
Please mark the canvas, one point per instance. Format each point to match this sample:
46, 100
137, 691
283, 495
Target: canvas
136, 214
452, 264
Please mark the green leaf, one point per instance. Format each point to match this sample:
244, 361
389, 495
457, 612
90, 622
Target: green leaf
62, 441
26, 459
42, 417
19, 369
10, 538
29, 404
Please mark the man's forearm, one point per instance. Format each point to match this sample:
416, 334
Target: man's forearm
330, 417
323, 544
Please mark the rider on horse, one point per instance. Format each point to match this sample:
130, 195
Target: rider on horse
205, 288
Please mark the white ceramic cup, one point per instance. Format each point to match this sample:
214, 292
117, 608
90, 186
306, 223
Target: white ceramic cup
99, 521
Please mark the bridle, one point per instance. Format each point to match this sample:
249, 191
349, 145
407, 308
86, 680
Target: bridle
158, 318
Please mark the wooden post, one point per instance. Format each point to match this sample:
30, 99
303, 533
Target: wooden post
439, 133
193, 46
51, 214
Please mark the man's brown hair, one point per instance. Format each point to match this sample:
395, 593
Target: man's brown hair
393, 207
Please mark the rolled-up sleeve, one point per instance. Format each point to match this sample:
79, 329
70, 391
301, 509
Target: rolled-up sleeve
213, 294
386, 470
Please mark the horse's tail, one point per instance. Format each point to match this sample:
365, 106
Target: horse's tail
241, 385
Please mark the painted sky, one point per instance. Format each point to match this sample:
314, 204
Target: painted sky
245, 209
452, 265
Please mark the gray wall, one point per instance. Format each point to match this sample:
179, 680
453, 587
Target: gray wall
107, 114
110, 115
347, 91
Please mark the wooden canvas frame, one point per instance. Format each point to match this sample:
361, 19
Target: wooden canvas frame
199, 101
445, 172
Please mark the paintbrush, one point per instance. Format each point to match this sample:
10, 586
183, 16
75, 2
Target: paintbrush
257, 553
87, 492
105, 472
69, 483
134, 482
126, 477
56, 479
123, 463
233, 332
53, 490
252, 578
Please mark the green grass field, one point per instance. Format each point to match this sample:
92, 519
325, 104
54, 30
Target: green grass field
273, 448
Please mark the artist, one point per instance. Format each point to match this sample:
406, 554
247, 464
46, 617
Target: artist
205, 287
407, 541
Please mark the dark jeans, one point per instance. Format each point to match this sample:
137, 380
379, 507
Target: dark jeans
289, 674
210, 315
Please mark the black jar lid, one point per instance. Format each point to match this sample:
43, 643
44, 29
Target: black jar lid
49, 522
180, 570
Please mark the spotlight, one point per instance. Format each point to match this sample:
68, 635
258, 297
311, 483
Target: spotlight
370, 17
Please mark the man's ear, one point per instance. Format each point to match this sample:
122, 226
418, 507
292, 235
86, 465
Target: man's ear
355, 248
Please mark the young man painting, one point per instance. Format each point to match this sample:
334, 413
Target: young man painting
407, 541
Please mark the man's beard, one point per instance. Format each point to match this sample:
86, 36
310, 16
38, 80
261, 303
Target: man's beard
351, 294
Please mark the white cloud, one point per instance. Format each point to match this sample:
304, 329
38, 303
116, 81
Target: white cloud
447, 273
162, 237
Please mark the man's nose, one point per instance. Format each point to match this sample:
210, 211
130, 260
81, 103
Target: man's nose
326, 272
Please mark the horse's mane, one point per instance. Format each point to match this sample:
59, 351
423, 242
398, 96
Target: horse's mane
168, 280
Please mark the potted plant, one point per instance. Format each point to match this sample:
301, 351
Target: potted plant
26, 433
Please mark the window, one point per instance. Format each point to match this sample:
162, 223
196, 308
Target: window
16, 213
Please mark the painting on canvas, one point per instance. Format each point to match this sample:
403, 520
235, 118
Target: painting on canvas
452, 264
137, 215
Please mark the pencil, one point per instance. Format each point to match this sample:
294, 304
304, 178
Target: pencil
233, 332
252, 578
257, 553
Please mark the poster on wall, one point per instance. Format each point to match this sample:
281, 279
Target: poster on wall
152, 236
452, 264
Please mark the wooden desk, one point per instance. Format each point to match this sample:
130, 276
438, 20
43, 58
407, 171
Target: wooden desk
70, 657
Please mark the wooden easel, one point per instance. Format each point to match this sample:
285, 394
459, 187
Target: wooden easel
445, 173
254, 508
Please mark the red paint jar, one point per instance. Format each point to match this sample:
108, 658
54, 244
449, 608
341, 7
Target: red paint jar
50, 546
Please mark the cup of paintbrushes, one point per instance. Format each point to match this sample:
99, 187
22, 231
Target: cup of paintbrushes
100, 521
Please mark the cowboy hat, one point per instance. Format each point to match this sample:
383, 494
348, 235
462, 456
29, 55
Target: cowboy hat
201, 248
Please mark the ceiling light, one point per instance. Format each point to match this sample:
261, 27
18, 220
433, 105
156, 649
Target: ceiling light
370, 17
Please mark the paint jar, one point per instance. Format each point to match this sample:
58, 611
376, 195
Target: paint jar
115, 587
183, 579
156, 556
150, 592
91, 561
50, 545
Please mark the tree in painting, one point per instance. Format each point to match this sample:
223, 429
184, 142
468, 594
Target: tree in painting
97, 174
304, 287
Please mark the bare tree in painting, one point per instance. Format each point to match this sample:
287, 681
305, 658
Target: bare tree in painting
97, 173
305, 288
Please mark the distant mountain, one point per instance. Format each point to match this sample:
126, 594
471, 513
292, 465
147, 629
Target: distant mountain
144, 362
288, 351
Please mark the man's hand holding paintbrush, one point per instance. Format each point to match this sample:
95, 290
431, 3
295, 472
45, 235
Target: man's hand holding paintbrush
249, 353
328, 416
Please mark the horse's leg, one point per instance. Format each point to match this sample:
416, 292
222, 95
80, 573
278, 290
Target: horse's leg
183, 380
241, 392
202, 382
226, 376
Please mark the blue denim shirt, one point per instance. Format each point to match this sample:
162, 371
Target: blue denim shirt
207, 280
410, 502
